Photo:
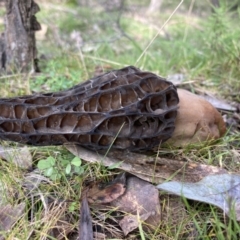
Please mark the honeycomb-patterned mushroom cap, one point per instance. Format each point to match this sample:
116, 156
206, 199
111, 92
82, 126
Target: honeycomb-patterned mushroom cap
124, 109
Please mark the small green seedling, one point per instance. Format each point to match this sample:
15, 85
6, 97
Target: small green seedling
56, 168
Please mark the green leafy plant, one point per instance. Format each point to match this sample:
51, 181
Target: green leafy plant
57, 168
73, 206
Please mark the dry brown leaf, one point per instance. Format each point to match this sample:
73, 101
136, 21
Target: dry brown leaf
221, 190
141, 200
19, 156
9, 215
106, 194
131, 222
152, 169
218, 103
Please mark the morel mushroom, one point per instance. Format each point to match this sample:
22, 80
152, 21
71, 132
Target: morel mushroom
124, 109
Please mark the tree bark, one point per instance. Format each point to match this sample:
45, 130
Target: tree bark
18, 50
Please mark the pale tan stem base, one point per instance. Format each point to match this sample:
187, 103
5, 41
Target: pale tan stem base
197, 121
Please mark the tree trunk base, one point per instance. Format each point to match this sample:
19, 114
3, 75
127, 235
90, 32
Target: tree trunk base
18, 50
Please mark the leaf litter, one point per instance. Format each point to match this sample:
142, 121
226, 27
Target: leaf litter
221, 190
9, 215
20, 156
145, 170
151, 169
130, 195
